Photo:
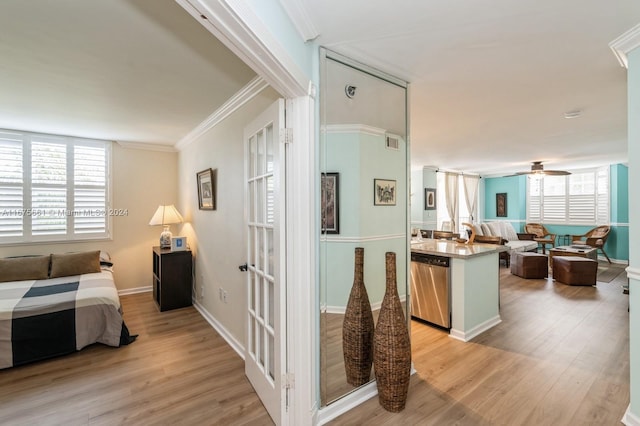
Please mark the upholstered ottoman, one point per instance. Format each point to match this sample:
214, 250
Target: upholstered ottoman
527, 264
573, 270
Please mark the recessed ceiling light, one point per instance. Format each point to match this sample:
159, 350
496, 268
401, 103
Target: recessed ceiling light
573, 114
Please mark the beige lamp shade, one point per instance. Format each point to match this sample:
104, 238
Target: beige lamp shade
166, 215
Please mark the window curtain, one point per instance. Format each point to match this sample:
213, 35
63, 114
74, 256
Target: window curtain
470, 187
451, 197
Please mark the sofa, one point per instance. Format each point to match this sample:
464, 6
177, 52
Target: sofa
489, 232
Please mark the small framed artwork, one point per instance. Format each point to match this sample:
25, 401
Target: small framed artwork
384, 192
429, 198
178, 243
501, 204
329, 202
206, 189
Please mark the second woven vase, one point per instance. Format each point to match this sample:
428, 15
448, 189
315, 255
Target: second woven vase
392, 346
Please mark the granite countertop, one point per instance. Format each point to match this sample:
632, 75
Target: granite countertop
449, 248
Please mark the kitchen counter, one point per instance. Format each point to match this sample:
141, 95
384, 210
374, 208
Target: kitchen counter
453, 249
474, 284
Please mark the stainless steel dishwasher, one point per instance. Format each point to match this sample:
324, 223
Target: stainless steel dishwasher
430, 289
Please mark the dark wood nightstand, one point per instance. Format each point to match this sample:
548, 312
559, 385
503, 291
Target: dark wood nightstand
172, 278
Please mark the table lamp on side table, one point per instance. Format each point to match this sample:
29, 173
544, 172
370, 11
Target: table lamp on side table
165, 216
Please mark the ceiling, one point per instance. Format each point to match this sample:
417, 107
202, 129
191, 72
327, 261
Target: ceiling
141, 71
490, 80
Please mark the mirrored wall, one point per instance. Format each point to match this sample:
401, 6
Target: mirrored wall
364, 166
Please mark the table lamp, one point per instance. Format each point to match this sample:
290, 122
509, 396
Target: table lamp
165, 216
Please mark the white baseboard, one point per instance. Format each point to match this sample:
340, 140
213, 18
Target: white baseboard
629, 418
135, 290
346, 403
475, 331
237, 346
342, 309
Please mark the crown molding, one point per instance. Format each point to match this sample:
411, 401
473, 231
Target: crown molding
237, 26
146, 146
624, 44
300, 18
244, 95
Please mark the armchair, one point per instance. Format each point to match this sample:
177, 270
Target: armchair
541, 235
595, 238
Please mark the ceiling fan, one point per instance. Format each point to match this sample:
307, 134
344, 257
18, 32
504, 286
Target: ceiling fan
538, 169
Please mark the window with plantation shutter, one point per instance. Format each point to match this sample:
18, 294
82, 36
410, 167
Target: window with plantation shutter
53, 188
581, 198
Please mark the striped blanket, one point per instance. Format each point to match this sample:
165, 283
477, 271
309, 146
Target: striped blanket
46, 318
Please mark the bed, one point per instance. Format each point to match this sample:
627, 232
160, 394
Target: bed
59, 314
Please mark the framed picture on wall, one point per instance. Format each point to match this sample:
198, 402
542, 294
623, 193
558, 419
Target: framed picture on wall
384, 192
329, 202
206, 189
501, 204
429, 198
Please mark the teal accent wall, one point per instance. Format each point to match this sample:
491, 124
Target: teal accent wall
617, 246
516, 189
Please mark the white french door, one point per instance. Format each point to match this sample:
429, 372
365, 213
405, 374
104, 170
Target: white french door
265, 346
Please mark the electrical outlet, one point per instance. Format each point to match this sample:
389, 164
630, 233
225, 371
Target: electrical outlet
224, 296
201, 291
220, 293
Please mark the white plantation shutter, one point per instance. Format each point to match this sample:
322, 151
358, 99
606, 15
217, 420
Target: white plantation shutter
11, 181
602, 196
90, 190
48, 186
53, 188
534, 210
581, 198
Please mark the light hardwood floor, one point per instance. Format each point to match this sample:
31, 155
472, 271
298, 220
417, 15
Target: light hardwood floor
560, 357
178, 372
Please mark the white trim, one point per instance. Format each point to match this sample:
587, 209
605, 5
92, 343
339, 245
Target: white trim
222, 331
633, 273
619, 225
135, 290
331, 239
237, 26
475, 331
629, 418
624, 44
354, 128
302, 302
374, 306
346, 403
239, 99
146, 146
299, 15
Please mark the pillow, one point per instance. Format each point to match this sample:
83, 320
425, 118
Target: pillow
495, 229
485, 229
508, 232
63, 265
24, 268
478, 229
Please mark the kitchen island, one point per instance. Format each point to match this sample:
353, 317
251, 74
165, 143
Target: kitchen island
473, 284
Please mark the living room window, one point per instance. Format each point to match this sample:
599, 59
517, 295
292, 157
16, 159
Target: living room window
581, 198
53, 188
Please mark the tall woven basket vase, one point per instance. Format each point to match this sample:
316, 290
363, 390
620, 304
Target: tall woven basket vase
392, 346
357, 328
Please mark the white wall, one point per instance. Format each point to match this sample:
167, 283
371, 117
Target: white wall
217, 238
141, 180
